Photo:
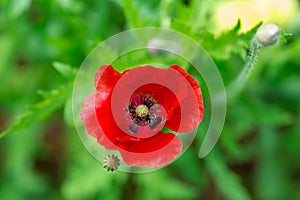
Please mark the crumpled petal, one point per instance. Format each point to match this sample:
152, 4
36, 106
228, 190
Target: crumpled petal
105, 78
158, 158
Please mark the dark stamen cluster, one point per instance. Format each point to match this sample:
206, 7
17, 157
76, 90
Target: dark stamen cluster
134, 103
142, 111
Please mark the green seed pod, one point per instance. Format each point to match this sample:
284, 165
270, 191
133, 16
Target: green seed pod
111, 163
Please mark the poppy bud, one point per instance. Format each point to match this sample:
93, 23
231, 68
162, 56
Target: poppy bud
267, 34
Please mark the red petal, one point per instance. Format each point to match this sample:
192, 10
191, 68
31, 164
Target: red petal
89, 118
192, 104
158, 158
167, 86
106, 77
195, 85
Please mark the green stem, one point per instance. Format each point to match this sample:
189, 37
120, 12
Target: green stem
238, 84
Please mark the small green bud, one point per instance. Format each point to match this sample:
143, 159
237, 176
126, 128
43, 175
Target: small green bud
267, 34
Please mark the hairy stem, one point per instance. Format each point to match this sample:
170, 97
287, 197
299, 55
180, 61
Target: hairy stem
238, 84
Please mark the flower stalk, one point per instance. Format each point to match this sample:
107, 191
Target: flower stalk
266, 35
239, 83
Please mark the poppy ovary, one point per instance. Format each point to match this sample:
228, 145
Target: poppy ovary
142, 110
111, 163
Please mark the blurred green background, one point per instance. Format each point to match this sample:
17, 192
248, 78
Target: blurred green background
42, 157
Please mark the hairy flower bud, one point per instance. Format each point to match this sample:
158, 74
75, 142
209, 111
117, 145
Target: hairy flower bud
267, 34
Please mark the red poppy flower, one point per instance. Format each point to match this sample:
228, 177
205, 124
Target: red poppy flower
129, 109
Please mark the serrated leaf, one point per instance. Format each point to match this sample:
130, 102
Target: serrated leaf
53, 100
64, 69
237, 26
220, 47
253, 30
228, 43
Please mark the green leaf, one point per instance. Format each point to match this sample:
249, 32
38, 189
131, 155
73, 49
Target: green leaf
270, 182
64, 69
68, 114
14, 8
237, 26
85, 177
227, 182
53, 100
284, 36
221, 47
160, 185
133, 10
228, 43
275, 116
200, 14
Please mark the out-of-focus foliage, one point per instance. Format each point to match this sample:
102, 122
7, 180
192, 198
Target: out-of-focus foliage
257, 156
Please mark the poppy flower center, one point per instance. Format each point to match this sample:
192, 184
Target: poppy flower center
142, 110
